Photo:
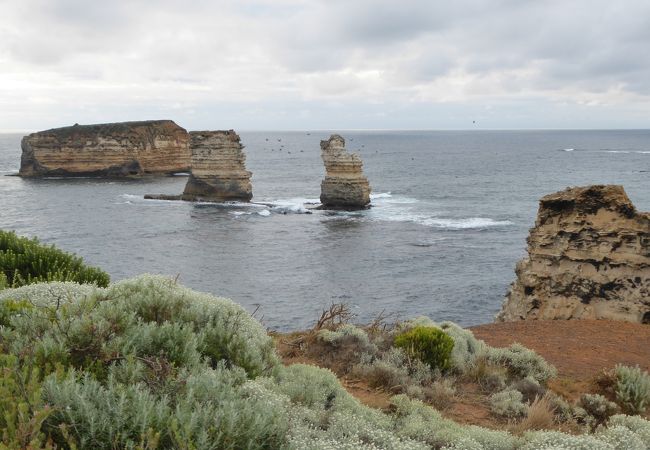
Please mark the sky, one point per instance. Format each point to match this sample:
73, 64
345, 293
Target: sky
326, 64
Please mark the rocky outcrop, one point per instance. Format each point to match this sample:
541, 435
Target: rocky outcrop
218, 171
106, 150
344, 186
588, 258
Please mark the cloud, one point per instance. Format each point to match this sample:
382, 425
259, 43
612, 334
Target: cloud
74, 57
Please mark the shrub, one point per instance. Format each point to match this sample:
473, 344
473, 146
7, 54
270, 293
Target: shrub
508, 403
441, 393
429, 344
22, 410
530, 388
598, 408
632, 389
348, 334
395, 370
522, 362
26, 261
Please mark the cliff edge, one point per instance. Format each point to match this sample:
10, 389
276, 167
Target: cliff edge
106, 150
588, 258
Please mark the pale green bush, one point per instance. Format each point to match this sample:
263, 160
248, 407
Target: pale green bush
466, 347
394, 370
632, 389
508, 403
639, 426
50, 294
225, 331
598, 408
348, 334
522, 362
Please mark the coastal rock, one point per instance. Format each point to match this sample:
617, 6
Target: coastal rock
218, 168
106, 150
344, 186
588, 258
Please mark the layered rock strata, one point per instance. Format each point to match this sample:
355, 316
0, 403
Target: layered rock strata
344, 186
218, 172
106, 150
588, 258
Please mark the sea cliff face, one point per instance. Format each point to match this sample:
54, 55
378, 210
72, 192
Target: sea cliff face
107, 150
344, 186
218, 168
588, 258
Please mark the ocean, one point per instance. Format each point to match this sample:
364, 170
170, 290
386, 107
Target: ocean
451, 212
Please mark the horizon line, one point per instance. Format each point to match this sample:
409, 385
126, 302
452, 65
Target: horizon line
248, 130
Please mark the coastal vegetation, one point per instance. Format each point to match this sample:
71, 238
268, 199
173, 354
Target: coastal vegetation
146, 363
26, 261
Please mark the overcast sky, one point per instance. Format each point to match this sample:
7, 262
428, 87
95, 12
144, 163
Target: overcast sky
326, 64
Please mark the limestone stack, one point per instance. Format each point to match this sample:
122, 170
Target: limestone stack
107, 150
218, 171
344, 186
588, 258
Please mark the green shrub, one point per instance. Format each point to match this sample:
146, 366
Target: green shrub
632, 389
26, 261
22, 412
429, 344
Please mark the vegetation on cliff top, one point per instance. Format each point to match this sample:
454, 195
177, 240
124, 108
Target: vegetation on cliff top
147, 363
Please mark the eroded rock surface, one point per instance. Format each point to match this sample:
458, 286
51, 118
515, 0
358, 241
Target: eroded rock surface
218, 168
106, 150
344, 186
588, 258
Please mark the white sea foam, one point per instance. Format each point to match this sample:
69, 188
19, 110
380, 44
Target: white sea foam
380, 195
393, 212
293, 205
568, 149
264, 212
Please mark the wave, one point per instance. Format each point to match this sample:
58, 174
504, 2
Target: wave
293, 205
387, 197
568, 149
450, 224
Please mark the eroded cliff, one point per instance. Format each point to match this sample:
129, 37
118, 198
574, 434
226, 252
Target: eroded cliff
588, 258
218, 168
106, 150
344, 186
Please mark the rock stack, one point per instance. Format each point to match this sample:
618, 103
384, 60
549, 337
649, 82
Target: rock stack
107, 150
588, 258
344, 187
218, 168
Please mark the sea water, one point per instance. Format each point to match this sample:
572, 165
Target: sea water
451, 212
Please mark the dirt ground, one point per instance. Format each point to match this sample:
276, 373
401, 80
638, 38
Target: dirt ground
581, 350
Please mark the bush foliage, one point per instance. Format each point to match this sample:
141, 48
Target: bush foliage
430, 345
26, 261
632, 389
